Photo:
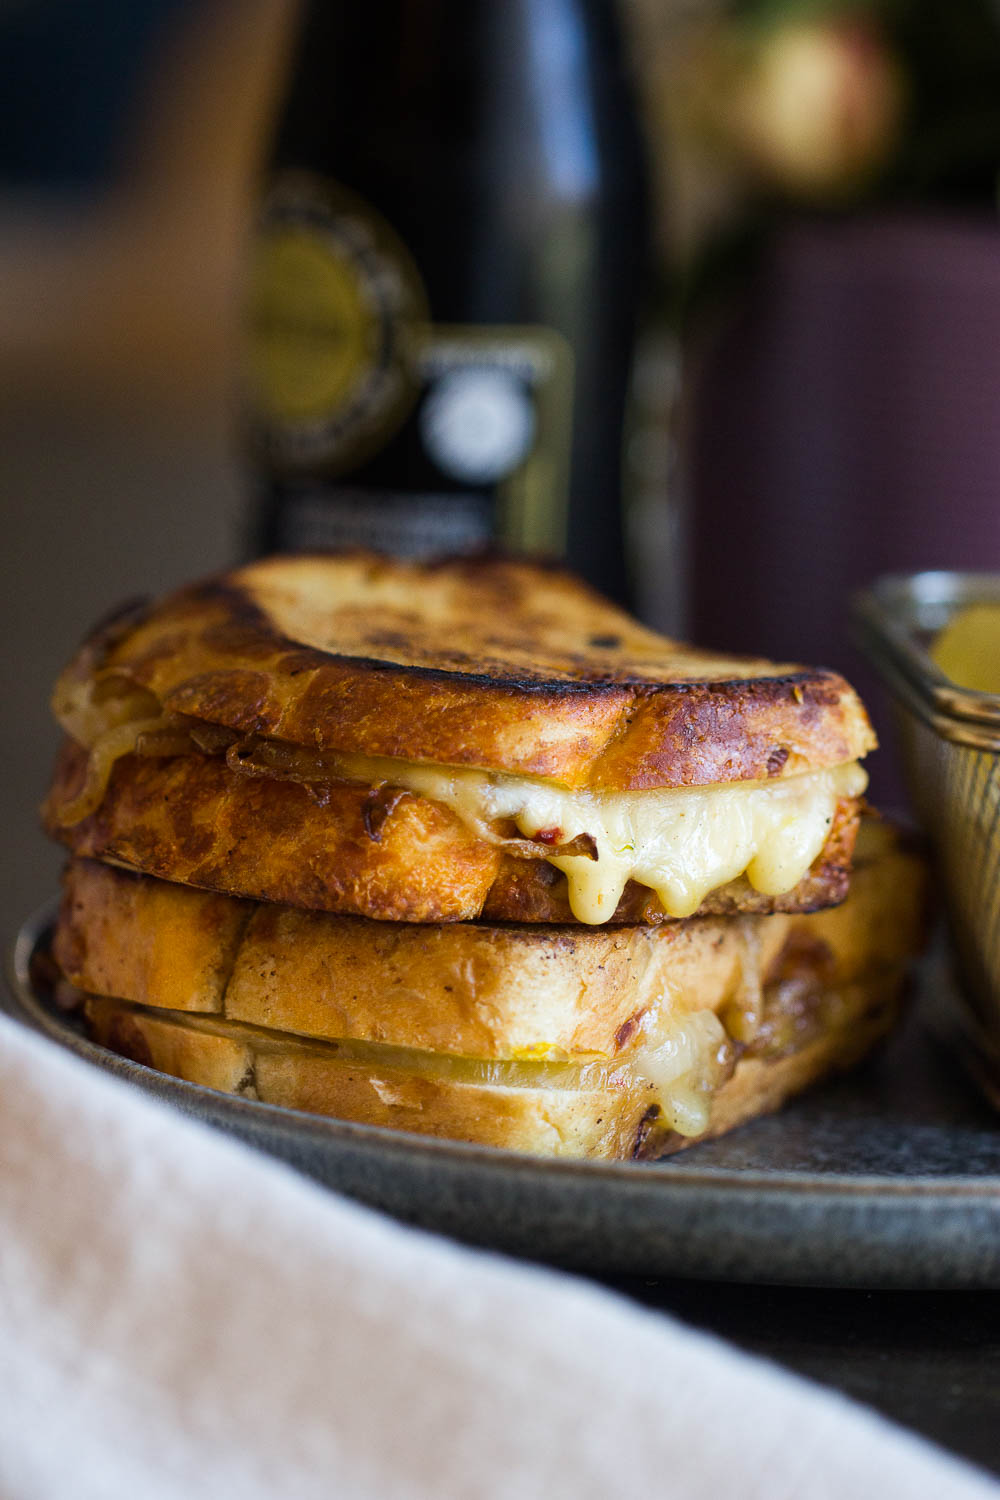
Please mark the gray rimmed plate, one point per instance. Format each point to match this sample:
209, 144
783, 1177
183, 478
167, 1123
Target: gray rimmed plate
887, 1178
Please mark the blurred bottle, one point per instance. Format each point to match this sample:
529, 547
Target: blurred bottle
445, 282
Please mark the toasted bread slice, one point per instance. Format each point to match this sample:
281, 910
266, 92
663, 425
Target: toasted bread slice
493, 664
191, 819
597, 1036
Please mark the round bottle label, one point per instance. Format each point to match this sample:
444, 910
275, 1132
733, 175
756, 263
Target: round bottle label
478, 425
337, 317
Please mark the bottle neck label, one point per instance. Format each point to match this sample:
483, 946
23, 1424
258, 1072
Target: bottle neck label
317, 517
337, 314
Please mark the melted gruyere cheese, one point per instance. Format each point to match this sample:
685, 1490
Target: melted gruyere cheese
685, 1065
681, 842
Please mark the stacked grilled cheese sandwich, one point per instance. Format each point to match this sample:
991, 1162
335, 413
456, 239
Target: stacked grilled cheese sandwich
460, 848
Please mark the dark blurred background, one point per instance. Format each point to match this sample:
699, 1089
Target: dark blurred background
130, 133
816, 396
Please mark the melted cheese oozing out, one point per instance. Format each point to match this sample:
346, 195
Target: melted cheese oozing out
682, 842
685, 1068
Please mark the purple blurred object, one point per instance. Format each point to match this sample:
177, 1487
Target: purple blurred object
844, 423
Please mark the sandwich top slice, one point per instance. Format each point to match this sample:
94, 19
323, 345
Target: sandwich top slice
544, 726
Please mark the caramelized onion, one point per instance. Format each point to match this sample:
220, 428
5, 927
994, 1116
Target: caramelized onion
163, 741
380, 804
108, 748
278, 762
89, 709
213, 739
525, 848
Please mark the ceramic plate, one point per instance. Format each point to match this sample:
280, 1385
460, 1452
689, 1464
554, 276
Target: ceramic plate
887, 1178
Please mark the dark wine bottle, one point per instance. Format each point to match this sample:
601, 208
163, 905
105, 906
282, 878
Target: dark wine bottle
445, 282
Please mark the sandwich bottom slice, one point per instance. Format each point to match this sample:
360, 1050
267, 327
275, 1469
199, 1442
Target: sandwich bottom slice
617, 1043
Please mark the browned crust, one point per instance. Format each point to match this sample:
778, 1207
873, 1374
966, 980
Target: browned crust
191, 819
123, 934
496, 664
477, 990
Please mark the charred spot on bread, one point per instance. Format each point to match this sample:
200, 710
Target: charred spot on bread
642, 1146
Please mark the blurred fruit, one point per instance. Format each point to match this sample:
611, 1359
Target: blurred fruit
968, 649
819, 105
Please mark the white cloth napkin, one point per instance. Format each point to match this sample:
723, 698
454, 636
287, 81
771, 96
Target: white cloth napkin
182, 1318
